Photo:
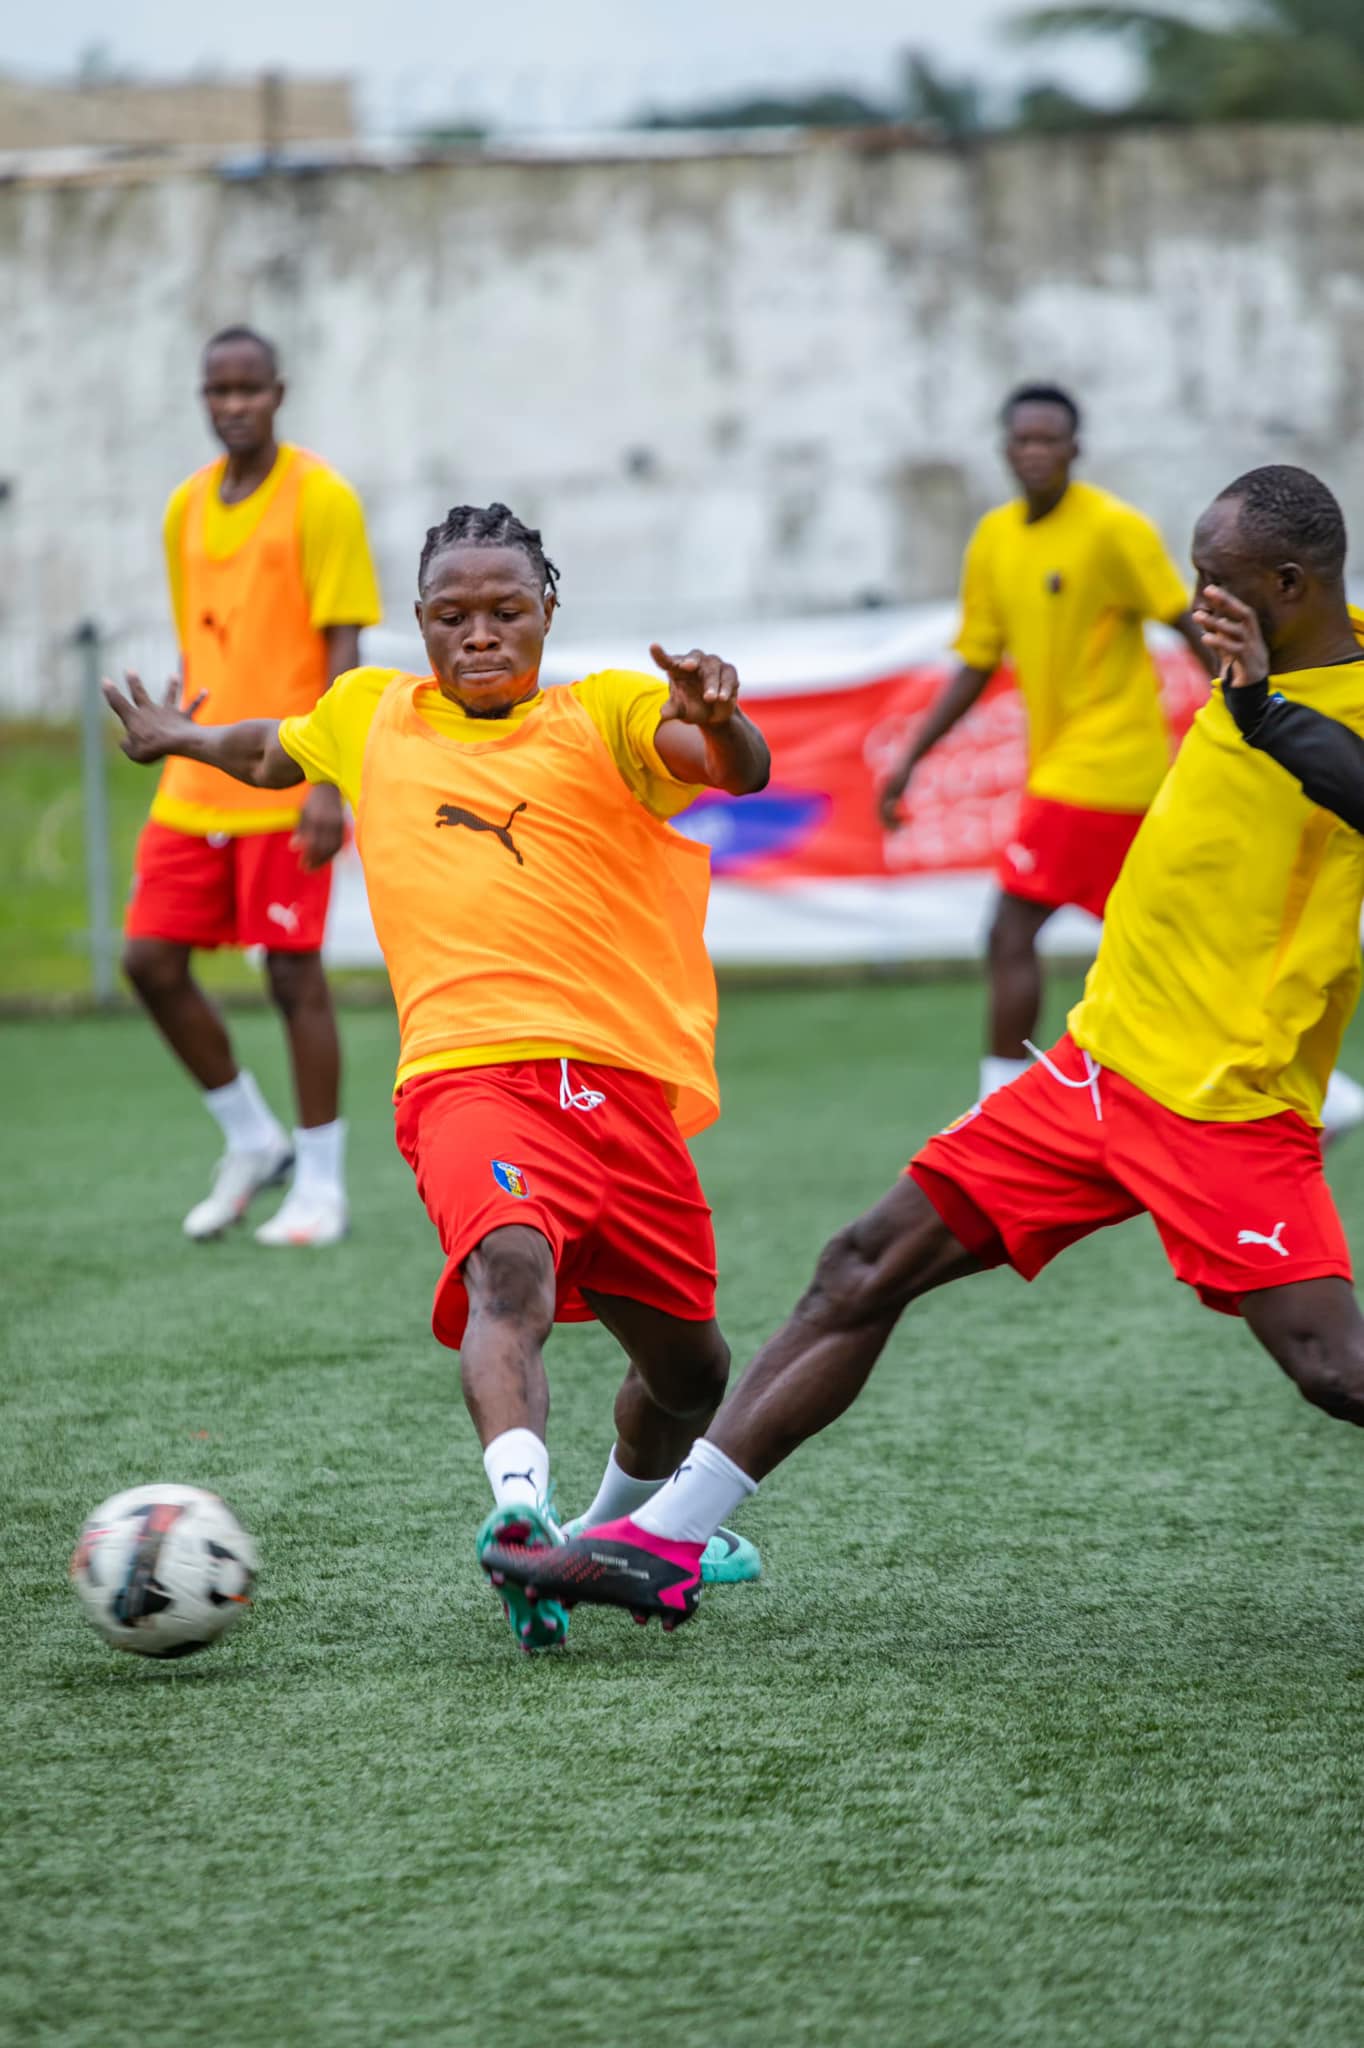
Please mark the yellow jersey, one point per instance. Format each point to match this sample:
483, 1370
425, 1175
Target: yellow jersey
1229, 964
329, 746
333, 566
1066, 597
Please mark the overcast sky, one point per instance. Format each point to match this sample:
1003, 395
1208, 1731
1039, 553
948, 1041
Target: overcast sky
544, 62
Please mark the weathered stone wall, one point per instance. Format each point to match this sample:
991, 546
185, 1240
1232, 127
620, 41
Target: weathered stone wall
725, 383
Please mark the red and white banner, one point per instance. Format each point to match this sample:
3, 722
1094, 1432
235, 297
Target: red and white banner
805, 871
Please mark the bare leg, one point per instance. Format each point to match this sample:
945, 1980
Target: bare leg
510, 1281
817, 1364
1315, 1331
674, 1385
159, 971
298, 988
1015, 974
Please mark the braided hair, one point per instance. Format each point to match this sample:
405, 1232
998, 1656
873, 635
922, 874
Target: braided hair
488, 526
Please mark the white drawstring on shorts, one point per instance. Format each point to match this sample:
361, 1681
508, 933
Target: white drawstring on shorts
1089, 1079
577, 1098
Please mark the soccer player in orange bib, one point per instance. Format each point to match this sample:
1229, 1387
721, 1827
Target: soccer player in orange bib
1061, 579
543, 929
1189, 1084
271, 581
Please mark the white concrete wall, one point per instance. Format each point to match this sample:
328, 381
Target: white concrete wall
725, 384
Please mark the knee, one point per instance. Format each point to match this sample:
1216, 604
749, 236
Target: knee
846, 1290
295, 980
705, 1377
510, 1277
1330, 1374
154, 968
1011, 940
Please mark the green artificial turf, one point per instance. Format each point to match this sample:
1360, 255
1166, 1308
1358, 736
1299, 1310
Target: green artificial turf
1044, 1727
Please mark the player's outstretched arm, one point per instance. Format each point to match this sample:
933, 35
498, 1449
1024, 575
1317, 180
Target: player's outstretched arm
702, 735
954, 703
249, 751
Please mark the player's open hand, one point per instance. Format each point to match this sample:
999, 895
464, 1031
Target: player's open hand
704, 689
1233, 632
321, 828
151, 729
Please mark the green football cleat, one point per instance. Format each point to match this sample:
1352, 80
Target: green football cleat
535, 1624
727, 1560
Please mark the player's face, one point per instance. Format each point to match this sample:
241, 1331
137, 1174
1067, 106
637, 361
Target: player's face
1220, 557
1040, 447
242, 394
484, 618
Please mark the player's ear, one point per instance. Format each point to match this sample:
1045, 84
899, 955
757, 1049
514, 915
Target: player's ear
551, 606
1291, 580
417, 612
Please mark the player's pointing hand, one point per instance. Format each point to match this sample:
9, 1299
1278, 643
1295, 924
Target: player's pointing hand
705, 689
150, 728
1231, 629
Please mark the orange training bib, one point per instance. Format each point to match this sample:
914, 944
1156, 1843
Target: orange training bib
520, 891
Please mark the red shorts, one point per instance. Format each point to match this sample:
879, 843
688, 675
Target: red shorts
611, 1186
1063, 853
1042, 1163
247, 891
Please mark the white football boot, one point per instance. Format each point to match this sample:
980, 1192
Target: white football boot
238, 1179
308, 1216
1343, 1109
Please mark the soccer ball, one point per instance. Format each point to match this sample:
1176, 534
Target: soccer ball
163, 1571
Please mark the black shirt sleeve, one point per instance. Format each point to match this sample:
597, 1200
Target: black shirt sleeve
1323, 755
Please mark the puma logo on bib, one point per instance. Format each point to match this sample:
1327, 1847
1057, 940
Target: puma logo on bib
454, 814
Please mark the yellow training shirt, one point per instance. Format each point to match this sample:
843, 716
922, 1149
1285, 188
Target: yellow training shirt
1229, 964
337, 571
329, 746
1066, 597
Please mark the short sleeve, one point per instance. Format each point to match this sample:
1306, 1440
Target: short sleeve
173, 538
338, 573
1145, 578
328, 742
625, 709
980, 637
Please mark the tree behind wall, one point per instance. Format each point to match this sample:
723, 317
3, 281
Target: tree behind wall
1259, 60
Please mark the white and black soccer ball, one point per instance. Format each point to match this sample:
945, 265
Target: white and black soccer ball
163, 1571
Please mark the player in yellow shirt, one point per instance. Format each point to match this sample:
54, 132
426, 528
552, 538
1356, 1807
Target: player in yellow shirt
271, 581
1061, 579
543, 929
1190, 1082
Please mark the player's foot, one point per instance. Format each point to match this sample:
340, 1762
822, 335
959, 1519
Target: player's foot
1343, 1109
519, 1534
313, 1216
727, 1560
617, 1564
238, 1179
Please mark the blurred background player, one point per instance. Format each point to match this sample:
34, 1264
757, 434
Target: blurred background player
1061, 579
270, 583
1189, 1084
544, 934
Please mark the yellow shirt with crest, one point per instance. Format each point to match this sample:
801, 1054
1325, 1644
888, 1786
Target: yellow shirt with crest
1065, 598
329, 746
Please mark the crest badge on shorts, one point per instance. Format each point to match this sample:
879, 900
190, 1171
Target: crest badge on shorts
509, 1178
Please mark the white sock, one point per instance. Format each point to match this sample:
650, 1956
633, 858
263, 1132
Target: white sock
517, 1465
320, 1157
997, 1073
619, 1494
244, 1117
1344, 1104
705, 1488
